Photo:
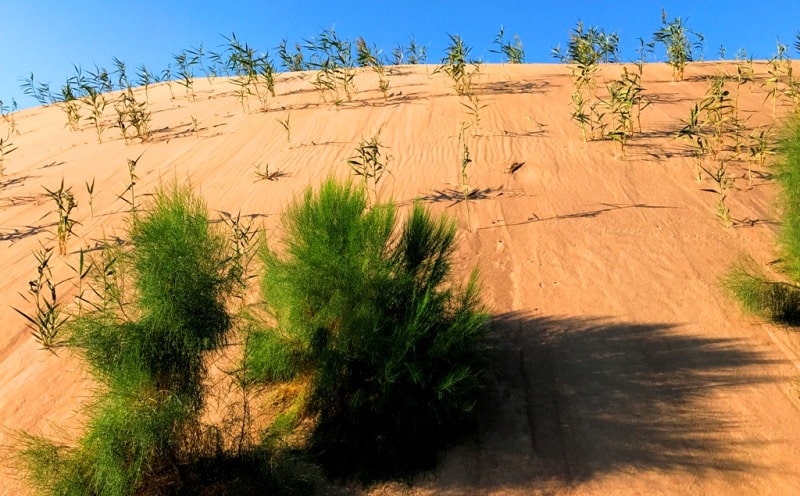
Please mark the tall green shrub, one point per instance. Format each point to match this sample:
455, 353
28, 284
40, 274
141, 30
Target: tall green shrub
777, 300
148, 355
368, 313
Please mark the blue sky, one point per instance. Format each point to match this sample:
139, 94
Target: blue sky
48, 37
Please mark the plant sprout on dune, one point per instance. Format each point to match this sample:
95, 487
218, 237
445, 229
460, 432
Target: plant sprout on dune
292, 61
331, 57
456, 64
675, 38
513, 52
372, 58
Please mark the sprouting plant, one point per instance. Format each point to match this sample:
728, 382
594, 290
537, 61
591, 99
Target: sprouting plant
643, 51
513, 52
589, 47
6, 148
46, 320
40, 92
758, 150
692, 131
131, 188
97, 104
466, 160
263, 173
166, 75
780, 76
455, 65
65, 204
101, 80
331, 57
7, 113
90, 190
195, 126
185, 63
121, 72
474, 106
132, 114
145, 78
624, 104
286, 124
251, 72
579, 113
675, 38
292, 61
373, 59
70, 104
723, 184
243, 237
370, 163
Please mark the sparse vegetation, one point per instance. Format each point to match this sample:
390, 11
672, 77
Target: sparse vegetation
331, 56
513, 52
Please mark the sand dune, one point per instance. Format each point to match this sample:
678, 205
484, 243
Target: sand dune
622, 366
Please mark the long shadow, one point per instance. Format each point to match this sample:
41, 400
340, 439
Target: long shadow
571, 399
19, 233
586, 214
513, 87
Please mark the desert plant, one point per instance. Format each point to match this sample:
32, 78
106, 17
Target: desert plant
473, 108
413, 54
131, 188
6, 148
331, 57
286, 124
456, 65
263, 173
47, 319
132, 115
675, 38
96, 102
589, 47
513, 52
372, 58
100, 80
777, 301
292, 61
70, 104
7, 112
692, 131
65, 204
391, 349
144, 424
40, 92
644, 51
759, 148
370, 163
90, 191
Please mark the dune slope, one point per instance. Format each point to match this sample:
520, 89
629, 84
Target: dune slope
621, 366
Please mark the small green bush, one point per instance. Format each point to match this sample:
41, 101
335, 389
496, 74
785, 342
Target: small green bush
368, 314
776, 301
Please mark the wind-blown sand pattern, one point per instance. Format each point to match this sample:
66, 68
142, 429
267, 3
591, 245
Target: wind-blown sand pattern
621, 368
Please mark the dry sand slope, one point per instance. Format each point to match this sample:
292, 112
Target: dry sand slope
622, 368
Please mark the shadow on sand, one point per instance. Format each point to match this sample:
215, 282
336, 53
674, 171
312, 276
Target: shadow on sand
575, 398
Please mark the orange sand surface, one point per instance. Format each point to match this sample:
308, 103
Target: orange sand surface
622, 366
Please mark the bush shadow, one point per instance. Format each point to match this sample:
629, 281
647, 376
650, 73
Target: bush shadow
571, 399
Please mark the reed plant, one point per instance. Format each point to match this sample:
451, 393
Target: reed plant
513, 52
286, 124
47, 318
133, 117
292, 61
412, 54
70, 104
39, 91
332, 59
675, 36
456, 65
65, 203
372, 58
370, 163
6, 149
8, 114
96, 103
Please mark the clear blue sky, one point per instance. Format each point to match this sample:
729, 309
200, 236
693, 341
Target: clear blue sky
47, 37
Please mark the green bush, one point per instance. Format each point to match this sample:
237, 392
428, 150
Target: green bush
368, 314
775, 300
148, 355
